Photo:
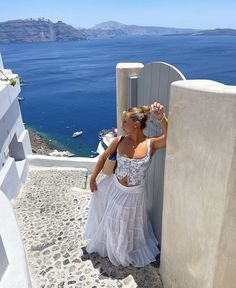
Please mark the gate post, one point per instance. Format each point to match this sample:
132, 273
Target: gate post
123, 72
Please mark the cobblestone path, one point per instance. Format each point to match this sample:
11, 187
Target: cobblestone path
51, 211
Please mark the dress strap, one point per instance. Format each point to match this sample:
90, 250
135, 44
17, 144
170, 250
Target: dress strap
148, 146
121, 138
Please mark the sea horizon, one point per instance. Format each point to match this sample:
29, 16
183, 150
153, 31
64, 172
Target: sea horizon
70, 86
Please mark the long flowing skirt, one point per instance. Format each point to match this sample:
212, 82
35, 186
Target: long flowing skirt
117, 224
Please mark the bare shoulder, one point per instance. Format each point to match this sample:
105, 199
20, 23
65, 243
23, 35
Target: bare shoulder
117, 139
114, 143
111, 148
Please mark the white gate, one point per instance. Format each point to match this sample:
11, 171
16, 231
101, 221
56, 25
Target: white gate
153, 84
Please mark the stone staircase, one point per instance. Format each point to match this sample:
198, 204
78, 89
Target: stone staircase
51, 211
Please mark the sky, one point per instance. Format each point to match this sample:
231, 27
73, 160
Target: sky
206, 14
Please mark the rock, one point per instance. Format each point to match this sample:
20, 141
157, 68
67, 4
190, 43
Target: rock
76, 260
66, 262
61, 285
58, 264
57, 256
67, 255
41, 247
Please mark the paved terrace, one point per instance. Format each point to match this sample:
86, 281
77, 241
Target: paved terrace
51, 211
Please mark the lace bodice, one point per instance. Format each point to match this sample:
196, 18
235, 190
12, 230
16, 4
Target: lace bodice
134, 169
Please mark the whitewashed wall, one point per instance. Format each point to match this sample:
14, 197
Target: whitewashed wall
14, 148
199, 211
14, 139
13, 264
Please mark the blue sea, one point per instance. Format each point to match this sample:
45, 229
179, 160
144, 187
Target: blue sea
70, 86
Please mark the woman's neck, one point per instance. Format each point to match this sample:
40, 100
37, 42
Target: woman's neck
137, 136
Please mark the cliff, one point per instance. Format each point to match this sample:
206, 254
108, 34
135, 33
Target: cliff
38, 30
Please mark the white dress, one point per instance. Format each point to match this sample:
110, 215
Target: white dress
117, 224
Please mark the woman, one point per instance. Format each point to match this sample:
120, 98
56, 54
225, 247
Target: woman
117, 224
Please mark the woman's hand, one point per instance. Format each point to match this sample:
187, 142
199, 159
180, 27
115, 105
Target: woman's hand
93, 184
158, 110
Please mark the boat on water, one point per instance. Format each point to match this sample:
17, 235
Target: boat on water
20, 98
77, 133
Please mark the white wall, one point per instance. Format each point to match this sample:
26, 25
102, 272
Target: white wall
14, 149
43, 161
14, 140
199, 210
4, 260
12, 258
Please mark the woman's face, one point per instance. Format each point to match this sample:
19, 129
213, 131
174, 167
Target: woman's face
127, 124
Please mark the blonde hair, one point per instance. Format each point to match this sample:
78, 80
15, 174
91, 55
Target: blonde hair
140, 114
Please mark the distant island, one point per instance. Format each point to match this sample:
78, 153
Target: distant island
44, 30
38, 30
116, 29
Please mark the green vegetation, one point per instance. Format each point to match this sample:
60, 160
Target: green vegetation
12, 81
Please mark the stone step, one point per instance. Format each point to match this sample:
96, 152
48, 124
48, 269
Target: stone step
51, 211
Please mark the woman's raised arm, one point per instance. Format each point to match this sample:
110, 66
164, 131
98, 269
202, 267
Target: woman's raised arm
158, 112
